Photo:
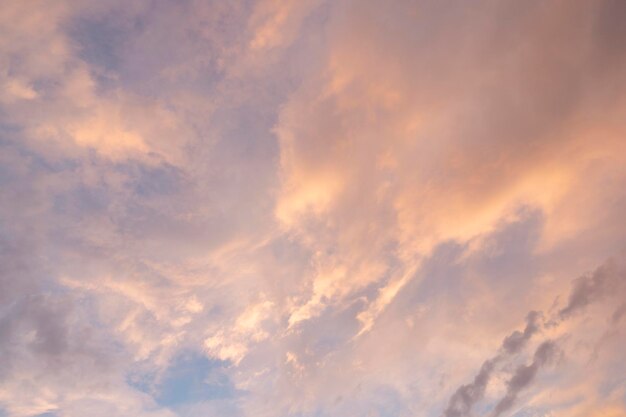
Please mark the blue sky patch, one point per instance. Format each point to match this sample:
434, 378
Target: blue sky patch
190, 378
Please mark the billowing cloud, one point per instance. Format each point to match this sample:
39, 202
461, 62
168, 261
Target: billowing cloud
280, 208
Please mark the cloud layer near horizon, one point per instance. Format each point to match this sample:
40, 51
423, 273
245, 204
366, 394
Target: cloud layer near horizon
312, 208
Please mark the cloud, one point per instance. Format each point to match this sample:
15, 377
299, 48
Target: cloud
608, 279
345, 204
524, 375
429, 153
587, 289
466, 396
516, 341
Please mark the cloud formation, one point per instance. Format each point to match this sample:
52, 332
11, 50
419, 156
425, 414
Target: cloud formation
523, 376
466, 396
312, 208
608, 279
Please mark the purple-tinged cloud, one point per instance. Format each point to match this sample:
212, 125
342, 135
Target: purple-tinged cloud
517, 340
607, 279
466, 396
524, 375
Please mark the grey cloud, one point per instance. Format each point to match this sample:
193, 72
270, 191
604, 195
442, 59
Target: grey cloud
605, 280
466, 396
524, 375
517, 340
618, 314
30, 315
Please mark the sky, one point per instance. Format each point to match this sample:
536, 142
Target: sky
312, 208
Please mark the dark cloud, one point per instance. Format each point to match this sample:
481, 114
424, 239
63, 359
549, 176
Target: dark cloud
524, 375
606, 279
517, 340
466, 396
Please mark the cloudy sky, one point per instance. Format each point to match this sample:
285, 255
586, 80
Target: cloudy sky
312, 208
